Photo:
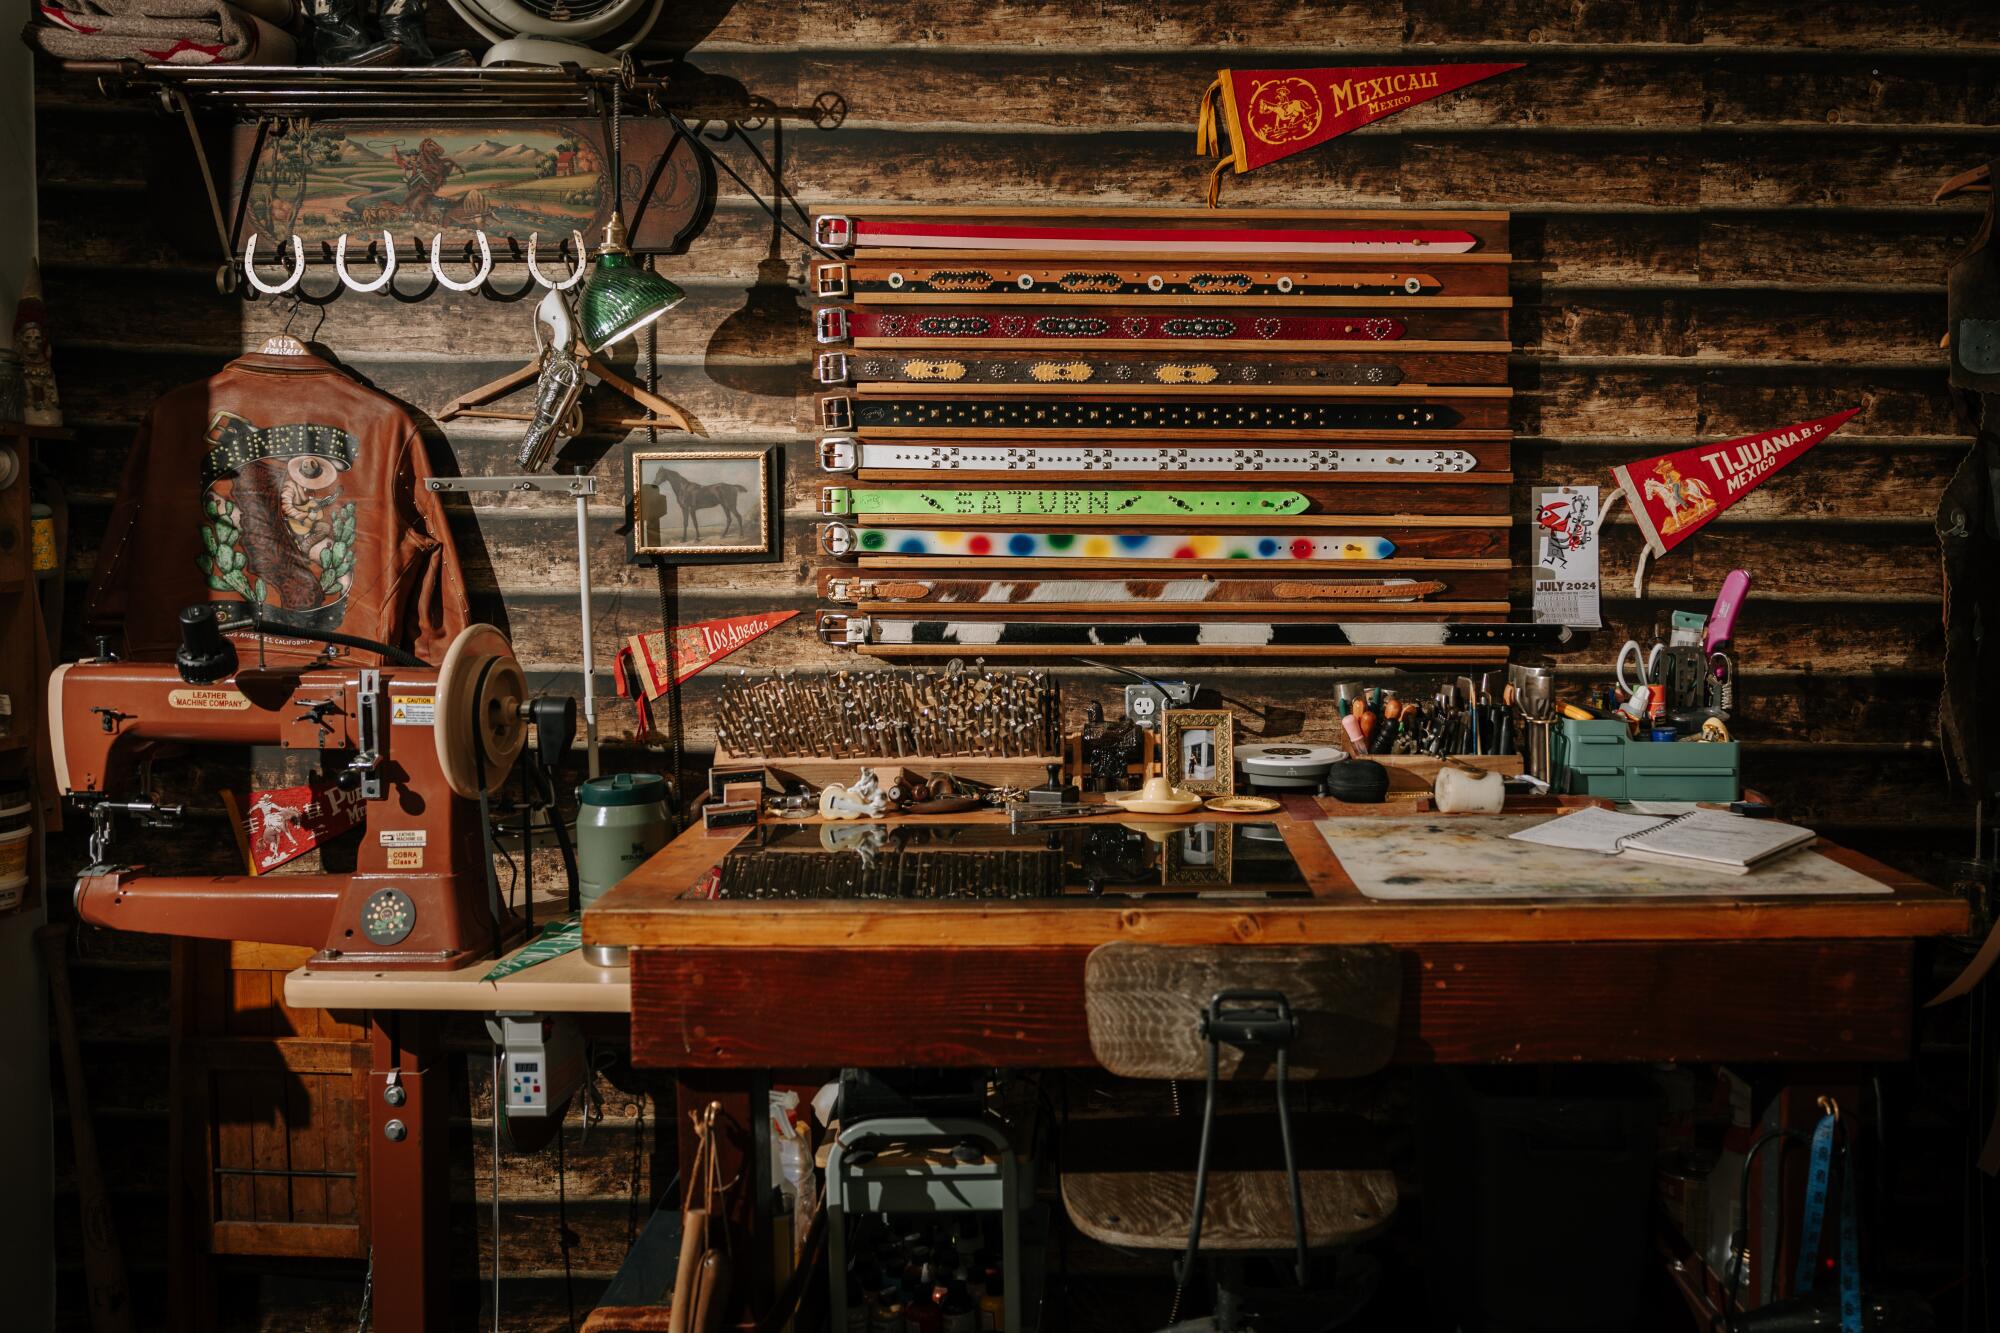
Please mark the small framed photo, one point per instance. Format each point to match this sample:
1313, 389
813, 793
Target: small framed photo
704, 506
1200, 746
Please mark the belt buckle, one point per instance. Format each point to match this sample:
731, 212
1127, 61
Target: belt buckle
830, 323
830, 280
832, 368
834, 231
846, 590
838, 453
835, 539
836, 412
841, 629
834, 500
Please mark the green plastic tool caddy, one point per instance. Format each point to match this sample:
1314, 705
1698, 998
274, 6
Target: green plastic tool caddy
1597, 758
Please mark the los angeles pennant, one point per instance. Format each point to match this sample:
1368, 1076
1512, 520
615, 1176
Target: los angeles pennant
1273, 113
1675, 494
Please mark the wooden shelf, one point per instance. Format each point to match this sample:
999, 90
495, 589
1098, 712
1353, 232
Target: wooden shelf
22, 431
255, 92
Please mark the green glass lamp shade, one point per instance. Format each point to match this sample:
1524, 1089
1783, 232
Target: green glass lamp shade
620, 297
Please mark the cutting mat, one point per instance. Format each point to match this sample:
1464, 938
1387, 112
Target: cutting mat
1443, 858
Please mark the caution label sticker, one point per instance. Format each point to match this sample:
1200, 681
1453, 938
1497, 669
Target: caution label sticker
412, 710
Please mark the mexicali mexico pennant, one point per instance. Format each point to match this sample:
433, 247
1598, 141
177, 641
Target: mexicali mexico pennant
1273, 113
1674, 494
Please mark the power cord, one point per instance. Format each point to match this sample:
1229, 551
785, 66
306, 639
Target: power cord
802, 238
1739, 1246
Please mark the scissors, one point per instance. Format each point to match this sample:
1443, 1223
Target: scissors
1643, 664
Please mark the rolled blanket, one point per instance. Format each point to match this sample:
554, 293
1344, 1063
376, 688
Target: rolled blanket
170, 32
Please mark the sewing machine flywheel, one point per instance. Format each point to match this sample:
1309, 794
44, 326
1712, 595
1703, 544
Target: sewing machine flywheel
480, 727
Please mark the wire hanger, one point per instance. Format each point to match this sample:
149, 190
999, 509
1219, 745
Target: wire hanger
282, 343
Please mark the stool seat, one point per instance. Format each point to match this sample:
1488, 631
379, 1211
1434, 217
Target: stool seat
1245, 1210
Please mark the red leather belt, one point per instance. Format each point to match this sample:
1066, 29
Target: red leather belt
1100, 324
835, 232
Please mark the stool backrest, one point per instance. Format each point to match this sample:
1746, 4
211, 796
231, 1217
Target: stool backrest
1144, 1004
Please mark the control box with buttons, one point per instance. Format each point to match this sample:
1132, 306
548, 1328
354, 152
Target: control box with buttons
542, 1062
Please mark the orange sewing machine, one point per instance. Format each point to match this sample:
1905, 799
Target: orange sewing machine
428, 746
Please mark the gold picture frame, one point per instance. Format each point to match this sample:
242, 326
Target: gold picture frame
703, 506
1183, 734
1199, 855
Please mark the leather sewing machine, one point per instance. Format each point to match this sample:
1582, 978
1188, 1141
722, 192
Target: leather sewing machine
426, 747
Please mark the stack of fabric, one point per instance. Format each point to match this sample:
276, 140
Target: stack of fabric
174, 32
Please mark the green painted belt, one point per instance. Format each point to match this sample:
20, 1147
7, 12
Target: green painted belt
1058, 503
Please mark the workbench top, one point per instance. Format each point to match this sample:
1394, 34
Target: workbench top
652, 907
569, 985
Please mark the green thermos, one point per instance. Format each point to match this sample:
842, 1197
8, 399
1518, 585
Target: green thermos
620, 821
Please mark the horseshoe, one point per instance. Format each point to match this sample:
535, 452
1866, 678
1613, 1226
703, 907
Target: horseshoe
485, 263
381, 280
250, 266
573, 278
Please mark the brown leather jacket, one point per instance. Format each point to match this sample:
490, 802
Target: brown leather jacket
281, 481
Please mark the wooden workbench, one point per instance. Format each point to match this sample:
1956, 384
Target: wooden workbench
720, 984
722, 990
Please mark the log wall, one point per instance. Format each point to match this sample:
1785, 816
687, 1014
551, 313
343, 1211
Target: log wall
1721, 220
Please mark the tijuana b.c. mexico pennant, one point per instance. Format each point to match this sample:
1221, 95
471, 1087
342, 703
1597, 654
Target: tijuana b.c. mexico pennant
1273, 113
1674, 494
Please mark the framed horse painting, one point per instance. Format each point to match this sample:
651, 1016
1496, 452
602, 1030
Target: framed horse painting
703, 506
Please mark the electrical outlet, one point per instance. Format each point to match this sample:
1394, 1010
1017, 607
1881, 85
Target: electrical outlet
1144, 703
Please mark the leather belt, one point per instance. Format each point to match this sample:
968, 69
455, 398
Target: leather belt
841, 539
838, 232
1088, 282
1094, 594
1057, 503
834, 324
1034, 368
843, 453
842, 412
841, 628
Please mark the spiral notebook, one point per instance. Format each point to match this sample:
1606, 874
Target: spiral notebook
1713, 839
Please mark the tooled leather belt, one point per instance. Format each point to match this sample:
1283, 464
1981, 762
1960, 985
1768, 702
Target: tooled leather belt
1087, 282
1037, 368
842, 628
837, 232
841, 539
842, 412
843, 453
1057, 503
834, 324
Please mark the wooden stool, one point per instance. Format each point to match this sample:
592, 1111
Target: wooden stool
1236, 1014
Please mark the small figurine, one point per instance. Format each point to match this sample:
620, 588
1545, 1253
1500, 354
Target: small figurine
1110, 749
864, 800
31, 344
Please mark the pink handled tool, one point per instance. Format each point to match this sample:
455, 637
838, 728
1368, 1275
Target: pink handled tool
1722, 620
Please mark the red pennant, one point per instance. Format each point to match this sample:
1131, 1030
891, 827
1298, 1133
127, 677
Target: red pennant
1273, 113
285, 824
697, 647
1675, 494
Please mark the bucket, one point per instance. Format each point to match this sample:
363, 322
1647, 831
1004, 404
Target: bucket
14, 861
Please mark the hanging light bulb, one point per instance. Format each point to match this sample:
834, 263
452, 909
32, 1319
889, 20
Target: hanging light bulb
620, 297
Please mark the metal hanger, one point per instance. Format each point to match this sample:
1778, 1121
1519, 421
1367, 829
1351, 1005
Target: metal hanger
282, 343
